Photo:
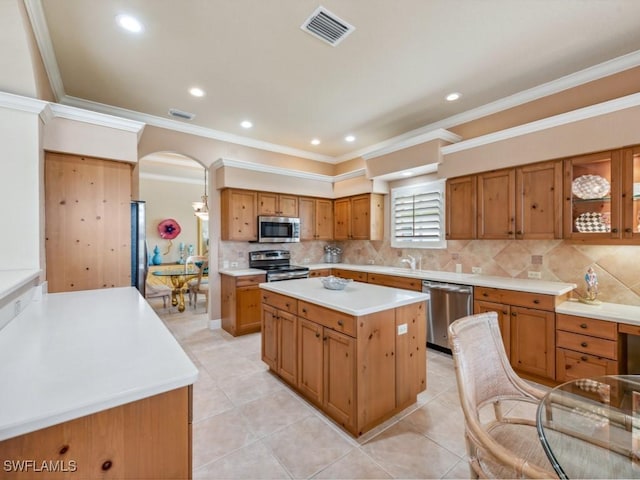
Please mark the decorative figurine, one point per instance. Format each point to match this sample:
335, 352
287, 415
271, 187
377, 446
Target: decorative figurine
181, 250
157, 258
190, 251
592, 287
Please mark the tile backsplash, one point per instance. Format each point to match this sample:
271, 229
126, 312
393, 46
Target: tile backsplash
617, 267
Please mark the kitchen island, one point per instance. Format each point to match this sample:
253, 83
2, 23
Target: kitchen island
358, 354
93, 381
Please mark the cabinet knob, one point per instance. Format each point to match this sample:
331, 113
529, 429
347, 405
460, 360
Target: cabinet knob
64, 449
340, 322
513, 314
485, 294
287, 305
536, 301
628, 230
510, 232
304, 310
584, 344
583, 358
324, 338
107, 465
583, 325
519, 232
317, 335
614, 230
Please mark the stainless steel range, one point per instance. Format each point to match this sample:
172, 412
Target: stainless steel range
277, 264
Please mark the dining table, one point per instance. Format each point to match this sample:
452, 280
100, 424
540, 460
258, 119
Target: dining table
590, 427
179, 277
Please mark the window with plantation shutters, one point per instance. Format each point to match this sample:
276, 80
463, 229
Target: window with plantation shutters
417, 216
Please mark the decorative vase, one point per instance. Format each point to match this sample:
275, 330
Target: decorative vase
157, 258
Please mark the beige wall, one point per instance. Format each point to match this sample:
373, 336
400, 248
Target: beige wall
405, 159
271, 182
15, 53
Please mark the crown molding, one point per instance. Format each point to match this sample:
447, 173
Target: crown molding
194, 129
23, 104
584, 113
95, 118
43, 39
437, 134
258, 167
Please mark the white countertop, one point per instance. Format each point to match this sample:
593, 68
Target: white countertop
12, 280
356, 299
73, 354
605, 311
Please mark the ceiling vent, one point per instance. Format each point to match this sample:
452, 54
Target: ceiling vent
326, 26
174, 112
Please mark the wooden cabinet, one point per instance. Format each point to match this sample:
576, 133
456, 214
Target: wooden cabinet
316, 218
148, 438
523, 203
240, 303
277, 204
353, 275
395, 281
586, 347
601, 203
322, 272
239, 219
359, 217
279, 335
529, 337
460, 207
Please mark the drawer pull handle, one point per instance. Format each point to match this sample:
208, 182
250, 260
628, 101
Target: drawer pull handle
304, 310
536, 301
583, 325
287, 305
583, 358
583, 344
317, 335
340, 322
485, 294
107, 465
64, 449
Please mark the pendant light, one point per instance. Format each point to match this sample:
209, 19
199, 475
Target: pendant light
201, 209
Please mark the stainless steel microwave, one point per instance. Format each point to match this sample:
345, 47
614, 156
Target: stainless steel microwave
278, 229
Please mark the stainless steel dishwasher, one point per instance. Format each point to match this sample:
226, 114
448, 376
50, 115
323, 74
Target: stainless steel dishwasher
448, 302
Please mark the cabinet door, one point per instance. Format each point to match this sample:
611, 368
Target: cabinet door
307, 211
248, 309
288, 205
239, 215
504, 319
287, 347
342, 219
310, 364
631, 193
573, 365
340, 377
496, 204
324, 219
461, 208
270, 336
360, 217
267, 203
533, 341
539, 201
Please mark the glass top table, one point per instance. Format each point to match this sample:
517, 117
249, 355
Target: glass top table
179, 277
590, 427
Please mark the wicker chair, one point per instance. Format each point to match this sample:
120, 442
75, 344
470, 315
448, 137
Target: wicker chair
200, 284
498, 445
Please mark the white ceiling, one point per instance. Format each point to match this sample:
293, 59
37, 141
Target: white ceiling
389, 77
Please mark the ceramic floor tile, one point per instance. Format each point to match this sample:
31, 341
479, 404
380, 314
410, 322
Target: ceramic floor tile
405, 453
354, 465
219, 435
209, 400
460, 470
246, 388
274, 412
254, 461
308, 446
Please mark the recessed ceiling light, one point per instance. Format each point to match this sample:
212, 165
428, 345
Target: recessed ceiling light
315, 141
452, 97
349, 138
129, 23
196, 92
246, 124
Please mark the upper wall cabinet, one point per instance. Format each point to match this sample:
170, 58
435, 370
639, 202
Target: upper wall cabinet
523, 203
238, 219
275, 204
359, 218
600, 204
316, 218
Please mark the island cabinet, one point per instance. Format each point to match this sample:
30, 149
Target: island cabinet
145, 439
360, 217
586, 347
529, 333
316, 218
240, 303
279, 335
277, 204
238, 215
359, 370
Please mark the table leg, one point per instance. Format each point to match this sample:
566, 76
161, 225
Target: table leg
181, 300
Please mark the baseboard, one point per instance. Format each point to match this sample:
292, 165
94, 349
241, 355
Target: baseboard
214, 324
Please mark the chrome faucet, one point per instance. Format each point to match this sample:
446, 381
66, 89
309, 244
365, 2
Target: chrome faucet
411, 261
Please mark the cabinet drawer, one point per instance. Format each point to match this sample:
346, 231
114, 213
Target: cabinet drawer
587, 326
281, 302
248, 280
572, 365
511, 297
340, 322
323, 272
395, 281
586, 344
357, 276
629, 329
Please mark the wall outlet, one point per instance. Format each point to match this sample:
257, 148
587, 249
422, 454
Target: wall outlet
402, 329
306, 260
458, 268
234, 264
537, 275
476, 269
372, 261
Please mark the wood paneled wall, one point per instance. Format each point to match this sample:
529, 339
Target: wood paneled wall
87, 223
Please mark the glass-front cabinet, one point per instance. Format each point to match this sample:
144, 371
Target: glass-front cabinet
602, 196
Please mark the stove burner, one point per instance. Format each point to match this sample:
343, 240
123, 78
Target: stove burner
276, 263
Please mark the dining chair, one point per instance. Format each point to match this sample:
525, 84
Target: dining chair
200, 284
499, 407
